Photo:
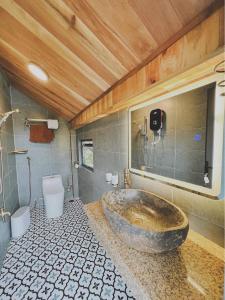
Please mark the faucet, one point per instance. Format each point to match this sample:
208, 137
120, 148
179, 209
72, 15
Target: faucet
127, 180
4, 213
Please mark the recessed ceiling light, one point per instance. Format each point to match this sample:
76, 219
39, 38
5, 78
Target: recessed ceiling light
37, 72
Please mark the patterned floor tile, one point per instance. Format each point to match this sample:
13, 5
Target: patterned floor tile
60, 259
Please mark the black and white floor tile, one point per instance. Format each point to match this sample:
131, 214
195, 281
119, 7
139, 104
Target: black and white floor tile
60, 259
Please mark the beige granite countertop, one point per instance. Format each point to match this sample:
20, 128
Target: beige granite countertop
194, 271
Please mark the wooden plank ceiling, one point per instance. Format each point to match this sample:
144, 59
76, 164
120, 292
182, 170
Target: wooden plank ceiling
88, 46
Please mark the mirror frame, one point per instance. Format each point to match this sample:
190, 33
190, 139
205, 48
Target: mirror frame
218, 137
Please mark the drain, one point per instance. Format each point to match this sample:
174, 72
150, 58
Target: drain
71, 200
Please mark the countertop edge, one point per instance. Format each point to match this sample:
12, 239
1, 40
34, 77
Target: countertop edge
207, 244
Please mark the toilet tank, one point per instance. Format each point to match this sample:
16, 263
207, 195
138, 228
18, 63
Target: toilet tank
52, 184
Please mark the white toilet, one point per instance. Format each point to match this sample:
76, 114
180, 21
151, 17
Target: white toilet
53, 192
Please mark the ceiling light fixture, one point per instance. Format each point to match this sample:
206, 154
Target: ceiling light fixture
37, 72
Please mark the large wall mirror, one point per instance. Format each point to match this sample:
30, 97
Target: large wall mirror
178, 138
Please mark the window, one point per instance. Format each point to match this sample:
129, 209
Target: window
87, 154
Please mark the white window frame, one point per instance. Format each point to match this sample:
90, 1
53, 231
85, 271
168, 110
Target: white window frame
81, 149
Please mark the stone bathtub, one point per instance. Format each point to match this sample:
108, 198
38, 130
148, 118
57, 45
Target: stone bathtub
144, 221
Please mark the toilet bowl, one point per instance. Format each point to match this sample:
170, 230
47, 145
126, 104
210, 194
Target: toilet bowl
53, 192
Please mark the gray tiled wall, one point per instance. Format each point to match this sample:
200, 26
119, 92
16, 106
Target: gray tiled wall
110, 136
9, 164
110, 139
179, 154
46, 159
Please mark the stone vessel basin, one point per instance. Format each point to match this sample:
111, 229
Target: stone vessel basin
144, 221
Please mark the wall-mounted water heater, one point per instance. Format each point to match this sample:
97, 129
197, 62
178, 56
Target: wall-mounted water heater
156, 119
156, 123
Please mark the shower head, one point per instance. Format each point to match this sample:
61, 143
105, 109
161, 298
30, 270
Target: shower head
6, 115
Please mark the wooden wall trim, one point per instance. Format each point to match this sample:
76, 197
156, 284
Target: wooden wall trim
190, 58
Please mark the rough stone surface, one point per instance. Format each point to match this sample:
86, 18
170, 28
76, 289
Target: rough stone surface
190, 272
145, 222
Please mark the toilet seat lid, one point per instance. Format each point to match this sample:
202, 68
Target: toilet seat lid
52, 184
22, 210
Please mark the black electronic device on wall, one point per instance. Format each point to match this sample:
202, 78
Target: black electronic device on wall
156, 119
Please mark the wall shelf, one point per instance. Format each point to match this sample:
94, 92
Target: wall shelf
19, 151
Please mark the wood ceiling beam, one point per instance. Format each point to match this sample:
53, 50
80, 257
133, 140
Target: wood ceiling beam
16, 62
23, 41
38, 97
122, 19
191, 57
109, 37
79, 39
94, 49
42, 93
34, 96
14, 72
90, 40
47, 100
56, 45
216, 5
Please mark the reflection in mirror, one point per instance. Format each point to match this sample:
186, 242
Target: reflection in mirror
174, 137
